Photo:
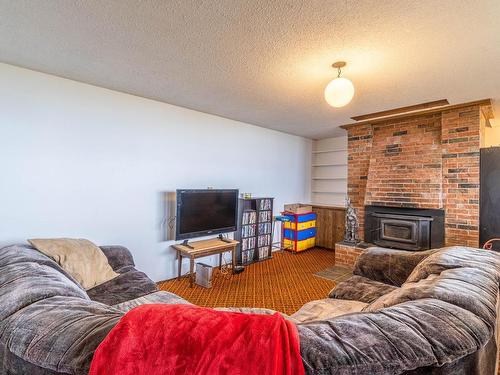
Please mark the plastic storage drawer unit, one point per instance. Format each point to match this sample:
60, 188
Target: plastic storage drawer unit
300, 235
300, 232
299, 245
300, 226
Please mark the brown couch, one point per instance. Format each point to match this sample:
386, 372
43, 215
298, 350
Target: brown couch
401, 313
432, 312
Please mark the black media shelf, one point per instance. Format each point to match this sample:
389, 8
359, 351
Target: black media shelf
255, 222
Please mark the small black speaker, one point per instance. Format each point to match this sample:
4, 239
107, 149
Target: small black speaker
238, 269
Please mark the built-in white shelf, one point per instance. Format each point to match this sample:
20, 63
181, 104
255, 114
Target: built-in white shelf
324, 151
329, 199
329, 178
329, 165
329, 171
330, 192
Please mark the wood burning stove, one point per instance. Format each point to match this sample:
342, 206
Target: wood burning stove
404, 228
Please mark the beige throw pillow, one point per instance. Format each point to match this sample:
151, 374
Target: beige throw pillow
79, 257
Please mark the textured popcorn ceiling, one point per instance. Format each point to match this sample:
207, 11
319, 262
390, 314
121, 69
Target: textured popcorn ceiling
265, 62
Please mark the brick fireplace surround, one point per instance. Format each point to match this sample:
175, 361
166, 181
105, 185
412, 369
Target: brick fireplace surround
425, 159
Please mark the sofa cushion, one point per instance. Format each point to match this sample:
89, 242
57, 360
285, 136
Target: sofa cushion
388, 266
79, 257
59, 333
250, 310
24, 253
469, 288
11, 364
153, 298
361, 289
24, 281
119, 258
426, 332
126, 286
455, 257
327, 308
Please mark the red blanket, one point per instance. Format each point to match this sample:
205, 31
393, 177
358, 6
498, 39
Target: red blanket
184, 339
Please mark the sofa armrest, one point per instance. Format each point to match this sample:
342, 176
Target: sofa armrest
119, 257
56, 335
387, 265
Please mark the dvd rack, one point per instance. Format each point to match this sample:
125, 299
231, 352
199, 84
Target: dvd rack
255, 225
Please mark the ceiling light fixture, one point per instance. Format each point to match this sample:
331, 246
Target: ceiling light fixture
340, 91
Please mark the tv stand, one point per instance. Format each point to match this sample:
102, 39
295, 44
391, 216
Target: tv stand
198, 249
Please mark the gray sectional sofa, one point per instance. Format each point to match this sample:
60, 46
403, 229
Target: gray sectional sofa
433, 312
49, 324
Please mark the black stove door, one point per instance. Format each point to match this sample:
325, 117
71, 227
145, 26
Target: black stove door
399, 231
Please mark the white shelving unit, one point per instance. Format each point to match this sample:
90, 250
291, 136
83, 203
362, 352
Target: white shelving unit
326, 151
329, 171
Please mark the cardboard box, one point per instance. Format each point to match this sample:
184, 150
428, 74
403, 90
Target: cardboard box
298, 208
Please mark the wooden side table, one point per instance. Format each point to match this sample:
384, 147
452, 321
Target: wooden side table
202, 249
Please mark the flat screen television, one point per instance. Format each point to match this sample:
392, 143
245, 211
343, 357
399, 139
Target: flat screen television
205, 212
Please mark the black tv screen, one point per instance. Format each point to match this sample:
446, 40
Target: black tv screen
205, 212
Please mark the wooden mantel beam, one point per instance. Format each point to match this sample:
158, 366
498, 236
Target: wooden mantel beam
396, 111
428, 111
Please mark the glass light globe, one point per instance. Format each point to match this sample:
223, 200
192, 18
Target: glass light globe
339, 92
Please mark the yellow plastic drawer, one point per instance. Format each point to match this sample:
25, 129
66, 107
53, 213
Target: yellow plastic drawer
299, 245
300, 226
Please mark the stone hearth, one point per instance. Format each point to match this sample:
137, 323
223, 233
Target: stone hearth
346, 255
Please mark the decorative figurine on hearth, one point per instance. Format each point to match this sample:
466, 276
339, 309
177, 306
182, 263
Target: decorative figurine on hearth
351, 224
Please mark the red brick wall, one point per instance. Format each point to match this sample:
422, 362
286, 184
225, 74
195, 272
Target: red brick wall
429, 161
358, 161
405, 164
460, 146
347, 255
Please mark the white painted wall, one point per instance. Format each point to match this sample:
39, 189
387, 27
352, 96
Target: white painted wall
82, 161
491, 136
329, 171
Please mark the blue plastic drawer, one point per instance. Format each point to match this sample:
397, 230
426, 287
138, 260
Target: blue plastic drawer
300, 218
300, 234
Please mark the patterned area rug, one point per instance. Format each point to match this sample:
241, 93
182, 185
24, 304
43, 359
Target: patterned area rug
283, 283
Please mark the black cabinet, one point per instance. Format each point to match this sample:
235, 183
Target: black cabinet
489, 221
